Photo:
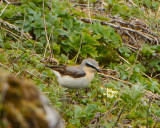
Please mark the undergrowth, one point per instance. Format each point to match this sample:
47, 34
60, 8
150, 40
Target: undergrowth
38, 29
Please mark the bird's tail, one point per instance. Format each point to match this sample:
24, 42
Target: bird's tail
54, 67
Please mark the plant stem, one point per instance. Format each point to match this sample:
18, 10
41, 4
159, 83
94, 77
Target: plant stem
119, 115
150, 100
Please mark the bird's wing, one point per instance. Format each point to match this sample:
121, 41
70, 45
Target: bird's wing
60, 69
74, 71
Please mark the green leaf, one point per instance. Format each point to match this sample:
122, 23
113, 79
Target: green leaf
62, 32
132, 96
124, 49
9, 13
88, 49
88, 39
38, 23
38, 32
42, 86
68, 23
32, 5
96, 37
146, 50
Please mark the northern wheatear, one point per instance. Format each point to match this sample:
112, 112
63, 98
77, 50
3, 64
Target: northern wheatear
77, 77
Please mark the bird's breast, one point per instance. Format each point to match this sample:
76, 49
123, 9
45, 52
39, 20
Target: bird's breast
89, 76
71, 82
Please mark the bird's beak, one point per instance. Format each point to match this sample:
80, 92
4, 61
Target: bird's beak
98, 70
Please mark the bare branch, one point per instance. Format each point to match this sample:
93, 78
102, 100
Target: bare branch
132, 3
114, 78
124, 59
8, 3
8, 26
15, 60
144, 35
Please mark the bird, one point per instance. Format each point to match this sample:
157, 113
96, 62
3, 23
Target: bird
76, 77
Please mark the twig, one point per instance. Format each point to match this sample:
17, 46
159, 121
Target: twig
146, 75
3, 10
108, 112
131, 37
148, 37
91, 5
18, 58
13, 34
45, 28
119, 115
34, 54
5, 66
11, 55
114, 78
157, 13
134, 64
132, 3
79, 49
18, 73
134, 26
12, 26
22, 30
82, 5
89, 13
41, 75
68, 110
51, 37
30, 73
133, 49
16, 3
151, 95
124, 59
8, 3
131, 46
154, 126
156, 75
35, 76
64, 114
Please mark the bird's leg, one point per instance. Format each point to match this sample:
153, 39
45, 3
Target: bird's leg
77, 92
87, 90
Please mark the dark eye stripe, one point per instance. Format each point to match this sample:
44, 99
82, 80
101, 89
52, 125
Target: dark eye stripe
90, 65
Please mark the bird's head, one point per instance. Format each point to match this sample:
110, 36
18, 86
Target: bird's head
90, 65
